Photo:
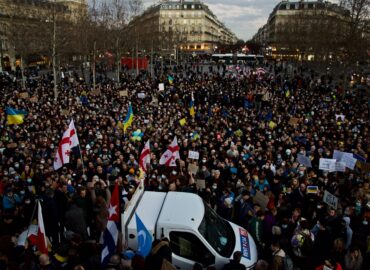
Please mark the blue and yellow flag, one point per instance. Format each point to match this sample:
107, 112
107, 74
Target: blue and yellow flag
195, 136
191, 106
170, 79
129, 118
14, 116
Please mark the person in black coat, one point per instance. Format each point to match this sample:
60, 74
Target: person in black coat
234, 263
323, 244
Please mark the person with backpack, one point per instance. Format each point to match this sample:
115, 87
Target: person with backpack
280, 259
302, 244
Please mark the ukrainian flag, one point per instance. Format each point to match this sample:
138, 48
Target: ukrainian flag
191, 106
129, 118
14, 116
170, 79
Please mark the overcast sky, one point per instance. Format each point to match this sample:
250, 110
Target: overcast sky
243, 17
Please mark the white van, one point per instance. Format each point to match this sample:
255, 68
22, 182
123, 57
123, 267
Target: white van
195, 231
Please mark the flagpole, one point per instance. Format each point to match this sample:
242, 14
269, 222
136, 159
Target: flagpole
82, 160
33, 214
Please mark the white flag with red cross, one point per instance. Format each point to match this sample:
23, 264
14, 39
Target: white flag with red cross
145, 157
171, 155
68, 141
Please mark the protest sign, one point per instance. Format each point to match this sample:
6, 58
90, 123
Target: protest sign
96, 92
327, 164
293, 121
182, 121
23, 95
261, 199
201, 184
340, 117
193, 169
302, 159
337, 155
161, 87
349, 160
123, 93
330, 199
34, 99
340, 167
141, 95
193, 155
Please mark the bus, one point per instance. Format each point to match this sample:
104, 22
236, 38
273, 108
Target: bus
240, 58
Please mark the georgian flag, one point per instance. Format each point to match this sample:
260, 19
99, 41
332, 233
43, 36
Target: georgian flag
69, 140
172, 153
145, 157
110, 235
42, 245
73, 134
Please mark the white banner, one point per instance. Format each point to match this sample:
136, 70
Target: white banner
193, 155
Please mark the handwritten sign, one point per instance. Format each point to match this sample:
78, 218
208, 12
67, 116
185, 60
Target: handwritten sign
141, 95
261, 199
161, 87
349, 160
293, 121
330, 199
201, 184
340, 167
34, 99
23, 95
327, 164
193, 155
338, 155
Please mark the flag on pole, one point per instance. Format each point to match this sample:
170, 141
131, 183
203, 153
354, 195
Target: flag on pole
191, 106
42, 244
144, 238
145, 157
110, 235
171, 155
129, 119
14, 117
73, 134
170, 79
63, 151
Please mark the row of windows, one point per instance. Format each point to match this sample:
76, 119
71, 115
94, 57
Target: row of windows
297, 6
185, 6
182, 14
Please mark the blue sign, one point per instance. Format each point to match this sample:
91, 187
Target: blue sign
244, 243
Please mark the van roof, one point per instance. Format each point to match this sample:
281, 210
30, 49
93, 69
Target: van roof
182, 210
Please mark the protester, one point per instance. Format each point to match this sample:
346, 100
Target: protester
250, 132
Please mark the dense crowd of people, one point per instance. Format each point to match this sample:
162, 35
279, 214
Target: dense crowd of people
248, 129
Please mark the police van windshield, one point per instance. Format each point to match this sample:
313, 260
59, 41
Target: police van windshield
218, 232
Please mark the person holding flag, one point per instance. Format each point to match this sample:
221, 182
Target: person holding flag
14, 117
191, 106
111, 233
129, 118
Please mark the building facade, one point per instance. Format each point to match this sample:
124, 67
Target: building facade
304, 30
189, 26
18, 16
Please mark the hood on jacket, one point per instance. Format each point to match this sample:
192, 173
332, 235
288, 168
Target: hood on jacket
347, 220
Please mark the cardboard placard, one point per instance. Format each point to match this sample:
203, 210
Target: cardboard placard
340, 167
193, 155
123, 93
65, 112
349, 160
193, 169
261, 199
96, 92
201, 183
293, 121
330, 199
24, 95
161, 87
34, 99
141, 95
